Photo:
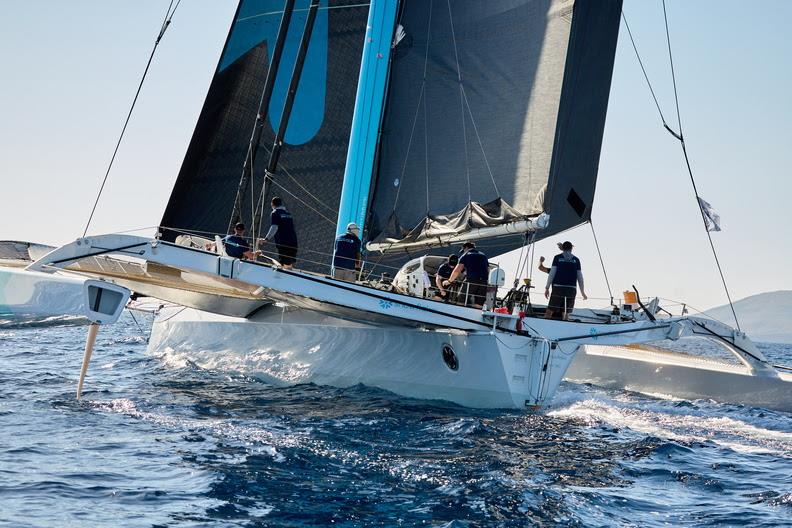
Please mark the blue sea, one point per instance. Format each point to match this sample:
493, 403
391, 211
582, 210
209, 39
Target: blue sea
157, 441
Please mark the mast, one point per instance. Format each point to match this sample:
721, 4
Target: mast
266, 96
277, 145
369, 104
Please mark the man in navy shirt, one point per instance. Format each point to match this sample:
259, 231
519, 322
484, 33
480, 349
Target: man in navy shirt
283, 233
444, 273
346, 255
475, 265
235, 245
563, 276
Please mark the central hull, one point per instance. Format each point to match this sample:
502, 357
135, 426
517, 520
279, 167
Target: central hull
285, 346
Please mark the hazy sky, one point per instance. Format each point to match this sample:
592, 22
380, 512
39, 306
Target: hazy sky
70, 70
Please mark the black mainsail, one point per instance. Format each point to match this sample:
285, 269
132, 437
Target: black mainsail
311, 168
494, 114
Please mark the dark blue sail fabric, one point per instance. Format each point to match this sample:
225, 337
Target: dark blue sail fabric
502, 101
312, 162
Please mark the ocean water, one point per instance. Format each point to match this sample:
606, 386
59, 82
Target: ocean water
157, 441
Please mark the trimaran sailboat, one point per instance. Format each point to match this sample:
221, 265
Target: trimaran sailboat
469, 121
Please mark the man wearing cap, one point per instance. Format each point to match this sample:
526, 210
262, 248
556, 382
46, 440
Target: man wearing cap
443, 273
475, 265
283, 233
563, 276
235, 245
346, 255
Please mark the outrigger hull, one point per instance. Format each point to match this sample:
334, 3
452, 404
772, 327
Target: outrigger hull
655, 371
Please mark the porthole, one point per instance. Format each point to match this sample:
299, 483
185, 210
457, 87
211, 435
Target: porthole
449, 357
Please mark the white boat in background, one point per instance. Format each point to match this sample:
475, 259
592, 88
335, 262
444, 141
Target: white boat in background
29, 297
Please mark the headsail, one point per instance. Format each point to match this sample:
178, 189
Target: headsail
312, 166
498, 103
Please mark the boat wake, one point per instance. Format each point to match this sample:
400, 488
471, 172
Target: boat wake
741, 429
35, 321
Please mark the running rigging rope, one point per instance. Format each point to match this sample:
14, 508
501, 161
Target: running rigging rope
602, 262
165, 23
680, 137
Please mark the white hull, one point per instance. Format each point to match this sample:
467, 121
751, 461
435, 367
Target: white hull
30, 296
343, 333
654, 371
289, 346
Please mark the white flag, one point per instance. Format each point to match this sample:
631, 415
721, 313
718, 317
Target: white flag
710, 217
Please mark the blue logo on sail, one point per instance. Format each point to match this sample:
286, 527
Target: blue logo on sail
257, 23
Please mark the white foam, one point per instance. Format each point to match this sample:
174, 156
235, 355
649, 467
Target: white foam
682, 424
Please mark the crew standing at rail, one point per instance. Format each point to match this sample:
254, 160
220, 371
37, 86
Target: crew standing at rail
346, 255
283, 233
564, 275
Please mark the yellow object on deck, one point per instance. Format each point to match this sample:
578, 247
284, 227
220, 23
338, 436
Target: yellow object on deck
630, 297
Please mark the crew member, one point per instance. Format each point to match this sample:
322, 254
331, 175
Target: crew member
235, 245
443, 273
563, 276
346, 255
475, 265
282, 232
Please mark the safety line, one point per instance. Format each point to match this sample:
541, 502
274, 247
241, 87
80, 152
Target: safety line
165, 23
680, 137
602, 262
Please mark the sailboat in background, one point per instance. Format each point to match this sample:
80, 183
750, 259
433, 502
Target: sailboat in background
468, 121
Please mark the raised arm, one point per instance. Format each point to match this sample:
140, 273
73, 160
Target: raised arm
542, 267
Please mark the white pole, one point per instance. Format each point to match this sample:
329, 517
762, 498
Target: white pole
93, 329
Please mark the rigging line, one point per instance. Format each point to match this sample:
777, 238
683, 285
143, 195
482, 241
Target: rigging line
673, 75
426, 151
138, 325
409, 146
519, 267
165, 23
287, 191
426, 104
681, 138
640, 63
285, 170
481, 145
533, 257
461, 99
602, 262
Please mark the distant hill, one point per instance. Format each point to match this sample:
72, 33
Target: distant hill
765, 317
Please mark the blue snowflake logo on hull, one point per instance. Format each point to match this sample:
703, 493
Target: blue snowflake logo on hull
385, 305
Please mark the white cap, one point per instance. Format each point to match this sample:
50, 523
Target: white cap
352, 226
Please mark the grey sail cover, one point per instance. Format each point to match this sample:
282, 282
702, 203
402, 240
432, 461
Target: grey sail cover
311, 171
496, 106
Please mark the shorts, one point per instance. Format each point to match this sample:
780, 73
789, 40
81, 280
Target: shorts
562, 299
287, 255
472, 292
